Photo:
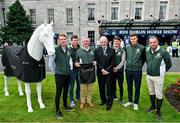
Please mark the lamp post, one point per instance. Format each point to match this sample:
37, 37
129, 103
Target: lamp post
127, 17
79, 10
177, 16
156, 21
154, 18
3, 10
101, 20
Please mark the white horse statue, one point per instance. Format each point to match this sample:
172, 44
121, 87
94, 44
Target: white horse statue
27, 63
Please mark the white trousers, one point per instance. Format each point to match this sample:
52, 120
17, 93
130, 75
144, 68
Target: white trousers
155, 85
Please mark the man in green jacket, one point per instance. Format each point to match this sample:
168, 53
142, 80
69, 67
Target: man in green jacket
85, 55
61, 64
118, 70
135, 58
158, 62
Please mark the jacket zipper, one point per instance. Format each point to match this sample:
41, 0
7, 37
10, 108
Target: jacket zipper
88, 56
152, 58
131, 58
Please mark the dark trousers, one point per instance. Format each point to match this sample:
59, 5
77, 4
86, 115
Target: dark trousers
105, 83
62, 84
136, 77
175, 52
117, 76
74, 77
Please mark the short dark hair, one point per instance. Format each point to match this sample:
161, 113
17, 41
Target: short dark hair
74, 36
63, 35
133, 34
117, 38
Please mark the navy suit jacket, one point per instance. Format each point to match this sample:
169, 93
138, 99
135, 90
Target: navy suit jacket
104, 61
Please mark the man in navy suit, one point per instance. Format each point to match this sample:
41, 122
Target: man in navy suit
104, 55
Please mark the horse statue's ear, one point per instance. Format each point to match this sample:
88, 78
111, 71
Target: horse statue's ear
51, 23
45, 22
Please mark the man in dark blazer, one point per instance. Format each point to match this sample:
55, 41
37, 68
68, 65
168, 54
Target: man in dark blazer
104, 56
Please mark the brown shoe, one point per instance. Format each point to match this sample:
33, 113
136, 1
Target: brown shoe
90, 105
81, 105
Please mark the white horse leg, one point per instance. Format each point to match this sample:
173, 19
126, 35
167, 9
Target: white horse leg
20, 88
6, 85
28, 96
39, 90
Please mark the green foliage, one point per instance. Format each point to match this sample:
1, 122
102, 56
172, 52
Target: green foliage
18, 27
14, 109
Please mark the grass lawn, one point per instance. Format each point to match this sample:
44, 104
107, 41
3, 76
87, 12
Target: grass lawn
13, 108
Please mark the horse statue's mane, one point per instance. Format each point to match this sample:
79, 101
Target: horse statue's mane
36, 33
33, 41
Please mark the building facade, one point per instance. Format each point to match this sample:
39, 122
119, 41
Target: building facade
84, 17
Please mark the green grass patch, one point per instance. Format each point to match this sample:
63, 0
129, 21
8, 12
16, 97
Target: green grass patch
13, 108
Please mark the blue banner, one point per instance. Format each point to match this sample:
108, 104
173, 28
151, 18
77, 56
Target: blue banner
141, 32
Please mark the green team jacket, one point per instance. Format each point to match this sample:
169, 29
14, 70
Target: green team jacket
85, 57
135, 57
62, 61
158, 62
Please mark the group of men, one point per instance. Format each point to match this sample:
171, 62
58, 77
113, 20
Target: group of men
111, 63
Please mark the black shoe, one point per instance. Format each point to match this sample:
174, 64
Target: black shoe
151, 109
158, 108
115, 98
102, 103
158, 114
78, 100
68, 108
59, 115
108, 108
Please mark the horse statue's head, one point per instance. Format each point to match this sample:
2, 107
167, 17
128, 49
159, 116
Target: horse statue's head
42, 37
46, 37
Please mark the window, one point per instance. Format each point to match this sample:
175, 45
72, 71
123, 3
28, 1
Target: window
91, 35
91, 11
162, 11
69, 16
33, 16
138, 11
51, 15
69, 35
114, 10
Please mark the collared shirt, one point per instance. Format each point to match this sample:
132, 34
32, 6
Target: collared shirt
64, 49
74, 47
104, 50
87, 49
134, 45
158, 47
116, 49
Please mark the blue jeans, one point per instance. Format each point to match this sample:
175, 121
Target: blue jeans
74, 76
136, 77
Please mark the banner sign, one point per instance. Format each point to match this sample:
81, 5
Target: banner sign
141, 32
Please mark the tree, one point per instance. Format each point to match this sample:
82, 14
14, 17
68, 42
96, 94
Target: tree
18, 27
